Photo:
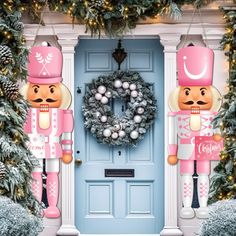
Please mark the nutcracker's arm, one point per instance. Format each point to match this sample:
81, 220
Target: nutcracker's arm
172, 138
66, 140
216, 132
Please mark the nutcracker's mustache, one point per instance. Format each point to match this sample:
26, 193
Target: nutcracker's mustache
189, 103
41, 100
192, 102
201, 103
37, 100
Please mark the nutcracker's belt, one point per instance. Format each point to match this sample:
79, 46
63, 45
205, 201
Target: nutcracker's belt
51, 139
187, 140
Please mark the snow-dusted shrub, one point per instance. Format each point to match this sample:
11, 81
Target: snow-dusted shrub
221, 221
16, 220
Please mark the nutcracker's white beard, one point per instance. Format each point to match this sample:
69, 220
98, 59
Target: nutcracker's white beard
195, 122
44, 117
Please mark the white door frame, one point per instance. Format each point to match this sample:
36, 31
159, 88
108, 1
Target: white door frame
170, 35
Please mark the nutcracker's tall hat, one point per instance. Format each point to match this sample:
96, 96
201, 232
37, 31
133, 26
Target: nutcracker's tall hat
195, 68
45, 67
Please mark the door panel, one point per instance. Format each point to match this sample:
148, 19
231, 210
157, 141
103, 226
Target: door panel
121, 205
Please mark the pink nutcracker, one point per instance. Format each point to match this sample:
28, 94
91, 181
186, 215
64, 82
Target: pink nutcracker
49, 123
193, 106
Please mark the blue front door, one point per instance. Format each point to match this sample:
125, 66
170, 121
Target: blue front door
111, 205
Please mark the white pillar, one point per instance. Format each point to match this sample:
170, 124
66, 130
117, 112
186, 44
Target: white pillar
68, 44
170, 42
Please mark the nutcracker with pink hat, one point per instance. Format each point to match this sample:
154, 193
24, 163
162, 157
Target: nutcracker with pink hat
193, 106
49, 123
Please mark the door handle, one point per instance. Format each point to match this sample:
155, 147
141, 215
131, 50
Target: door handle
78, 161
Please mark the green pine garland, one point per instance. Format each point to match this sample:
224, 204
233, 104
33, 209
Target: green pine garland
114, 17
223, 182
138, 117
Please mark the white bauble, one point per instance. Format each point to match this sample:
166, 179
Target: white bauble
122, 133
134, 134
108, 94
117, 83
98, 114
116, 127
132, 86
44, 43
98, 96
104, 119
107, 133
102, 89
140, 110
137, 119
114, 135
125, 85
134, 94
104, 100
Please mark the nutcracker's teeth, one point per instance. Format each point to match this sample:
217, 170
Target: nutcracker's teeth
44, 107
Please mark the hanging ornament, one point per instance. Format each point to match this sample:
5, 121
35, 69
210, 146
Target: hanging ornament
1, 124
104, 119
137, 119
122, 133
2, 170
5, 55
116, 127
134, 134
134, 94
132, 86
107, 133
102, 89
108, 94
98, 96
117, 83
98, 114
125, 85
10, 89
114, 135
140, 110
104, 100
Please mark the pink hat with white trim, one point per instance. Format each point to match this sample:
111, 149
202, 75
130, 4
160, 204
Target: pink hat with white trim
195, 66
45, 65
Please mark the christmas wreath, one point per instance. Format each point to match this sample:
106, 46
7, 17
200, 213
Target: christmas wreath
113, 129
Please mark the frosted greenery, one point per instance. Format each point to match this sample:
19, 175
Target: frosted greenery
20, 212
16, 220
94, 110
221, 221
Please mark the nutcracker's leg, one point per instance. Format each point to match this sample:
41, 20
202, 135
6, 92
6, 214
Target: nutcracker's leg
186, 171
203, 171
37, 183
52, 169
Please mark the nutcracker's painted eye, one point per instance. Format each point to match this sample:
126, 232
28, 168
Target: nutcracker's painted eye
52, 88
36, 88
203, 91
187, 91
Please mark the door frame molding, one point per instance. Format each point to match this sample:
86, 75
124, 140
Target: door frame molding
170, 37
